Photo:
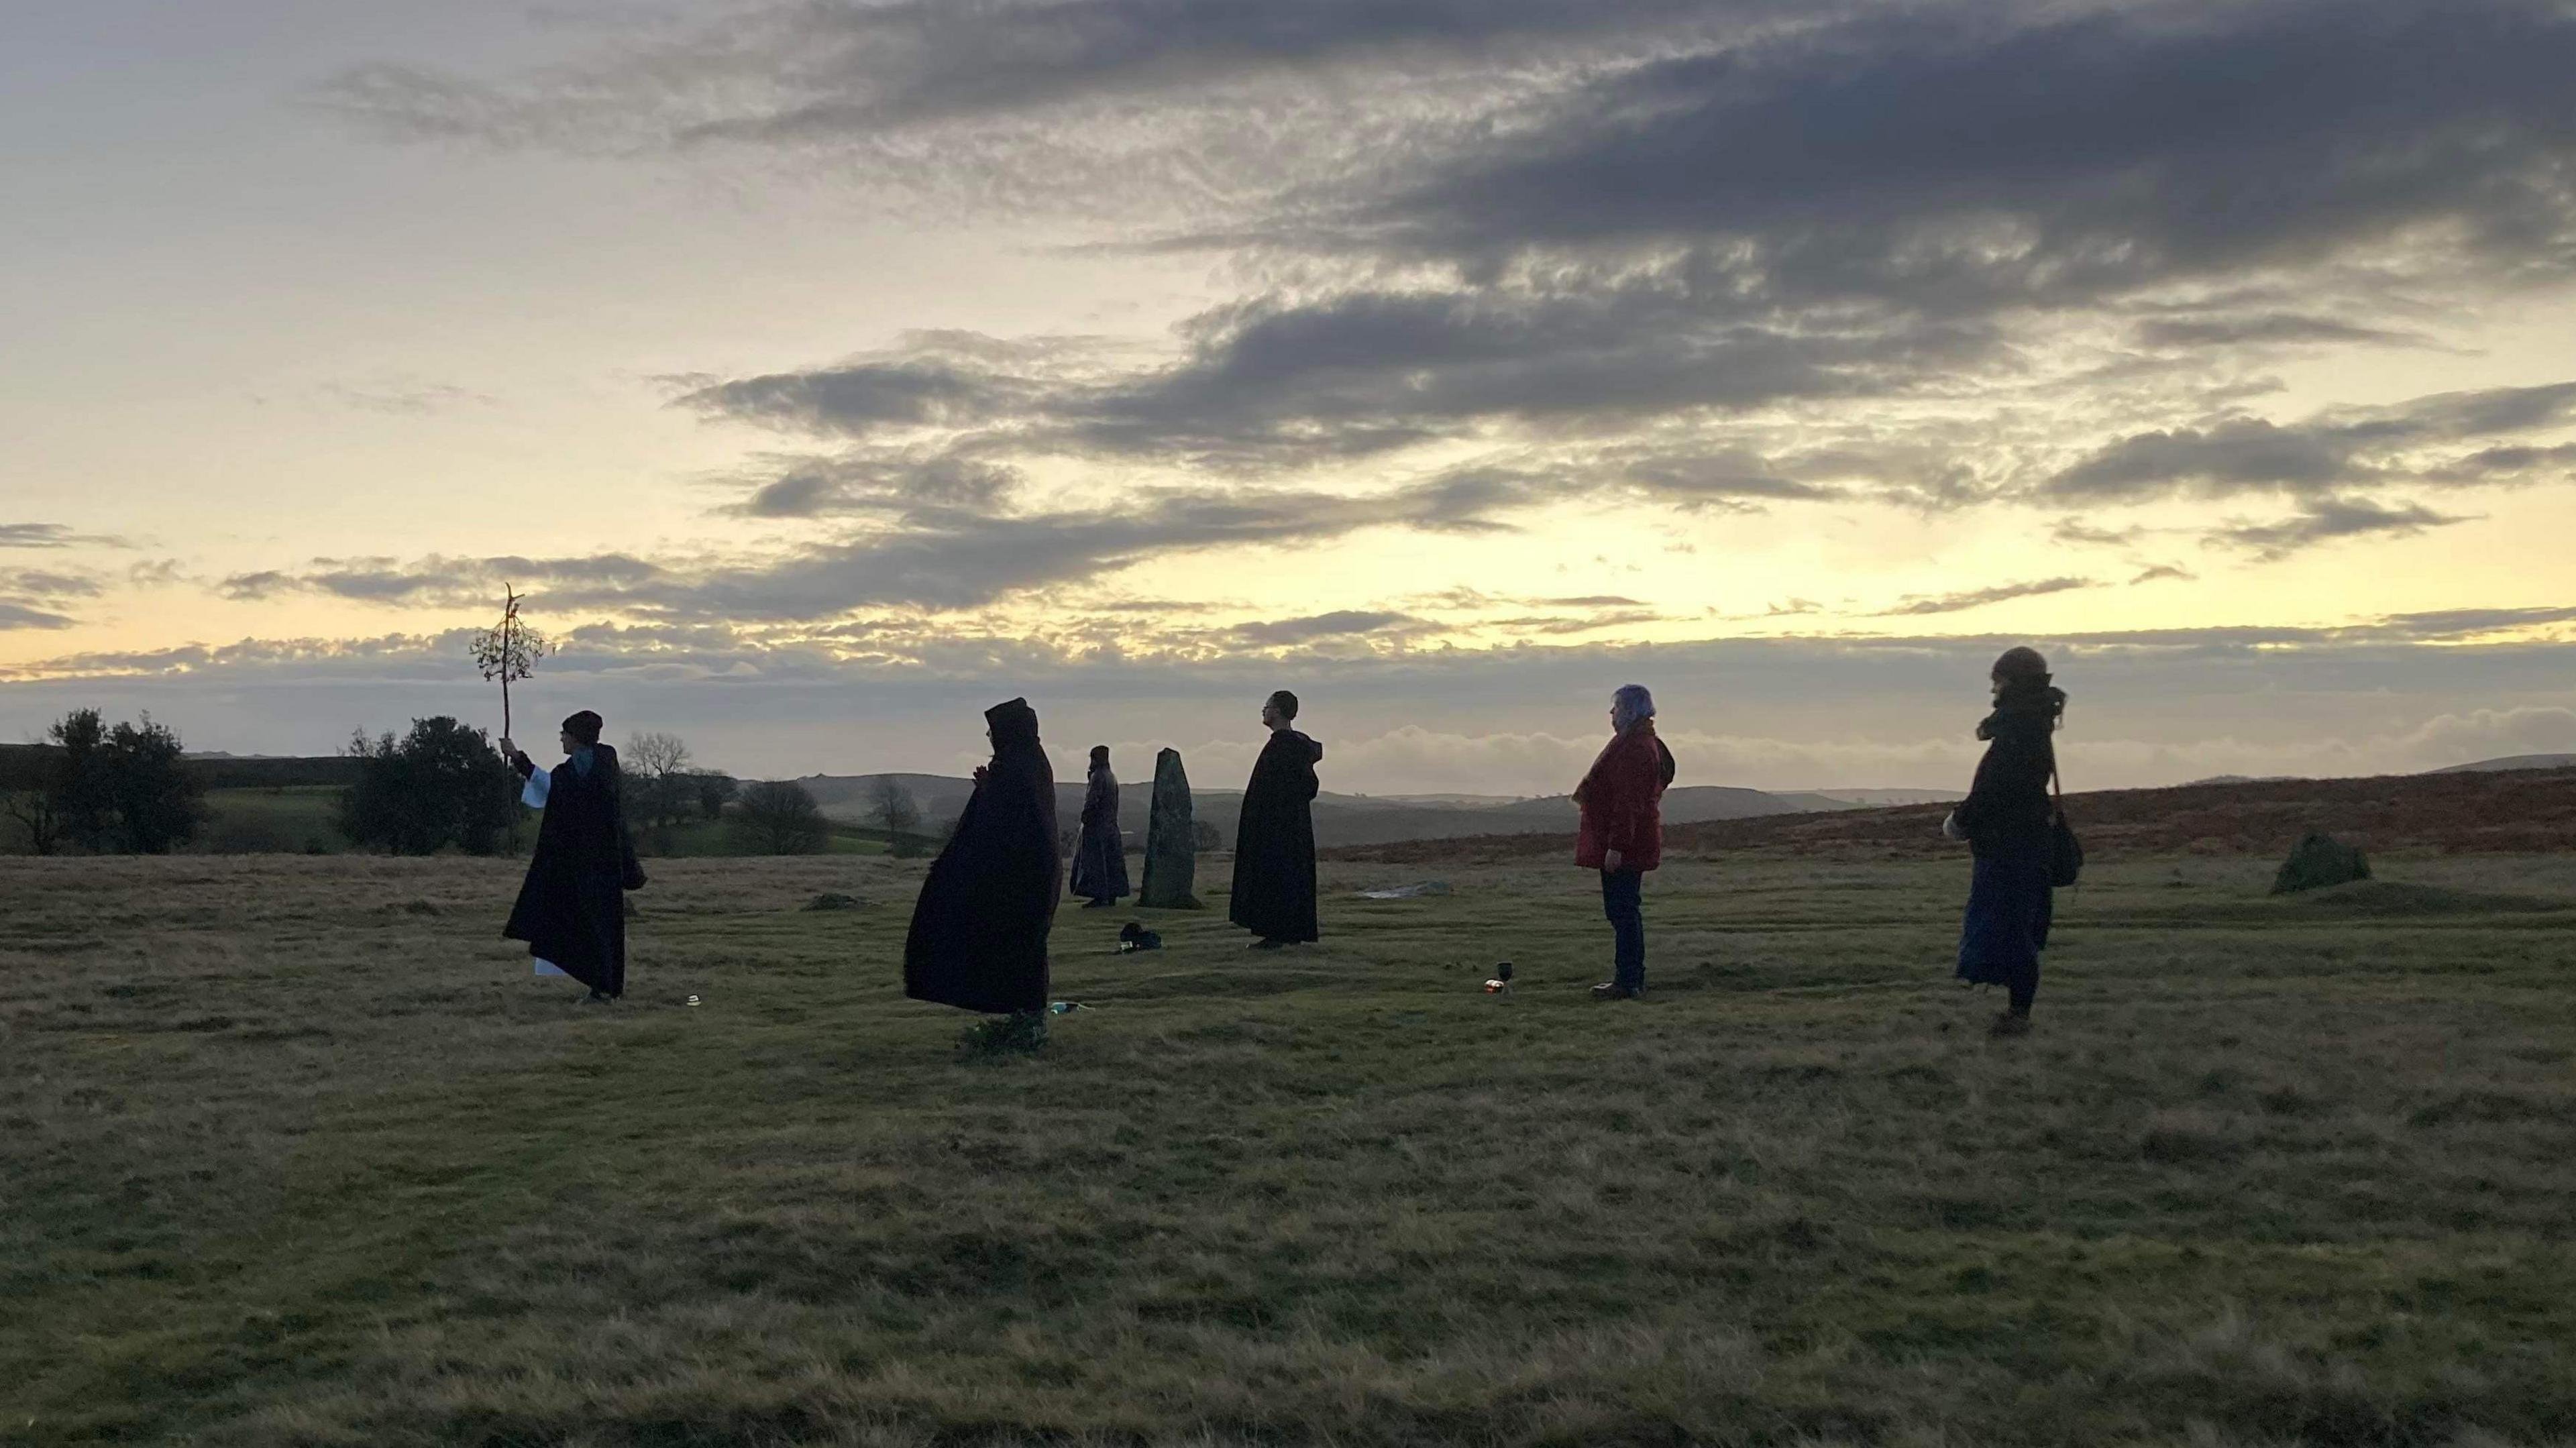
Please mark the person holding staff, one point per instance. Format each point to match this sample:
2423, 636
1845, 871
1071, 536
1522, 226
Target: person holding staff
1621, 831
2007, 819
572, 907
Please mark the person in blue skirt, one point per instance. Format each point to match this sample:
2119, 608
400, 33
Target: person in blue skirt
2006, 821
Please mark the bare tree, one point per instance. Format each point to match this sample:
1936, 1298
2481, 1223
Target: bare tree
662, 759
779, 817
892, 806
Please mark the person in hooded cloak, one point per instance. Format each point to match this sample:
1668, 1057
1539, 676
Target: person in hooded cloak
979, 931
1100, 858
1621, 831
572, 907
2006, 820
1274, 840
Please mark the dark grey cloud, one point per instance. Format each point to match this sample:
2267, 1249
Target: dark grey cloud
2335, 451
862, 398
805, 71
1342, 623
2221, 329
879, 483
1968, 155
2326, 520
27, 616
54, 535
1916, 605
31, 598
922, 554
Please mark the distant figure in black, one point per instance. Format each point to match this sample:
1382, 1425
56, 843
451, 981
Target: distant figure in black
572, 907
1274, 841
979, 932
2006, 820
1100, 856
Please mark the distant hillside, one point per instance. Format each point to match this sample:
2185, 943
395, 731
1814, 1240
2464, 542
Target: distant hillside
2517, 761
2459, 811
1340, 819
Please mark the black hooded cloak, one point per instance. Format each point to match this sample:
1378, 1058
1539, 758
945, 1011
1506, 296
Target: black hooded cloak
979, 931
1100, 859
571, 908
1274, 842
2007, 818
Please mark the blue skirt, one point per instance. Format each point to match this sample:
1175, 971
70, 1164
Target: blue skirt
2010, 905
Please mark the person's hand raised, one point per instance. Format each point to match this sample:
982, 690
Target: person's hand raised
983, 772
507, 748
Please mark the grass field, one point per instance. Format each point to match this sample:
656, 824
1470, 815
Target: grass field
296, 1152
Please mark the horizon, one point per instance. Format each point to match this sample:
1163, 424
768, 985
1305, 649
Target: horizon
827, 372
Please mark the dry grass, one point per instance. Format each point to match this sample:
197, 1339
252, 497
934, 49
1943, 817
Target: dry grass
296, 1153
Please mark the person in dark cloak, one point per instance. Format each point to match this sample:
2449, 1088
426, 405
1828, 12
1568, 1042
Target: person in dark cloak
1100, 857
1274, 840
2006, 820
1621, 832
572, 907
979, 931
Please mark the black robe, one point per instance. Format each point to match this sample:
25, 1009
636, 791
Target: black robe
571, 908
1100, 859
979, 932
1274, 842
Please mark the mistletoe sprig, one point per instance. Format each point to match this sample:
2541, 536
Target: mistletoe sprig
509, 651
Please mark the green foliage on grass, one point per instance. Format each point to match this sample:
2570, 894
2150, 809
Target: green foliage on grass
299, 1154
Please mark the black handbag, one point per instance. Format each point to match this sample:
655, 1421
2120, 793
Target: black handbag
2065, 851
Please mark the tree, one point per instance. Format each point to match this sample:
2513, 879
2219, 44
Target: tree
28, 783
779, 817
107, 790
715, 790
81, 800
1204, 836
891, 805
656, 764
440, 784
152, 798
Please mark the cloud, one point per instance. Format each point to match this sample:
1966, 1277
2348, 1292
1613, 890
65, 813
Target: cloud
404, 397
30, 597
54, 535
1917, 605
1342, 623
880, 483
2162, 572
25, 616
2220, 329
2332, 451
2325, 520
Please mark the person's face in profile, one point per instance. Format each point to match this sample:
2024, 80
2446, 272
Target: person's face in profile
564, 736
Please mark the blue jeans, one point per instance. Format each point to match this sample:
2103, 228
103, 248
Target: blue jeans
1620, 901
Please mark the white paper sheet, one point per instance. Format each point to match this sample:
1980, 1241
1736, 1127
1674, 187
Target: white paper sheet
534, 796
548, 967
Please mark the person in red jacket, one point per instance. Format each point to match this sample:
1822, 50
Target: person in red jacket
1622, 833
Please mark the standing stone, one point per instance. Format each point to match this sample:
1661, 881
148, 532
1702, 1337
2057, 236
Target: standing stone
1171, 850
2319, 861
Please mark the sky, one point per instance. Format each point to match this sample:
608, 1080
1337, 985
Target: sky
826, 371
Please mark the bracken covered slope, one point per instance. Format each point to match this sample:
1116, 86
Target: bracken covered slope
2512, 812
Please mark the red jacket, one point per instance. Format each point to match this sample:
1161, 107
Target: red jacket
1622, 801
